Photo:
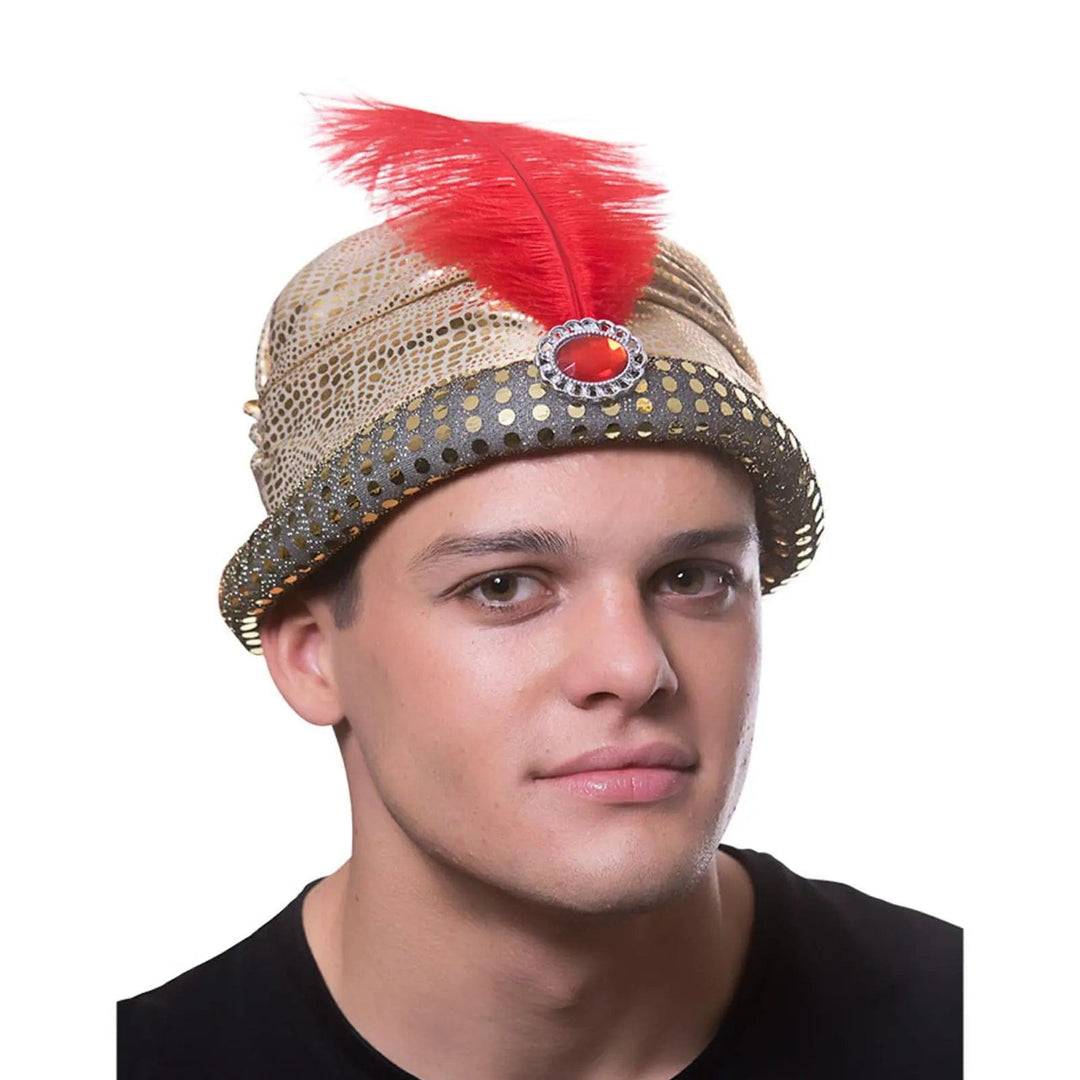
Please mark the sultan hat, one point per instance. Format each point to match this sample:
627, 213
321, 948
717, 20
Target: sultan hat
448, 337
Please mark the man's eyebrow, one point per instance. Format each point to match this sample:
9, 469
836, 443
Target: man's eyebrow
530, 541
546, 542
691, 539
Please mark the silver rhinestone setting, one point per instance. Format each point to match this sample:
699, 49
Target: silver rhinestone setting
548, 347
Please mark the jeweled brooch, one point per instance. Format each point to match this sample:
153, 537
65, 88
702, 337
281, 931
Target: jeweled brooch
590, 358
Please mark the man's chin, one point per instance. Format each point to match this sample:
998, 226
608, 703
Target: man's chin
597, 883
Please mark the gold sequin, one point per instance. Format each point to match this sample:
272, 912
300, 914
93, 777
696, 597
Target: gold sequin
541, 412
506, 416
473, 424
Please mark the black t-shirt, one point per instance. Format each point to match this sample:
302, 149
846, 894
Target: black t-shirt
836, 984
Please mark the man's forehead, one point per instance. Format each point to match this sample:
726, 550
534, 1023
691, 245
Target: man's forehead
567, 503
570, 477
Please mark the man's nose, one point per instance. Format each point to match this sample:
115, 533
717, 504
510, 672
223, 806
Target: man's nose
614, 649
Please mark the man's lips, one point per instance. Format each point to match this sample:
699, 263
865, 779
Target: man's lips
623, 785
654, 755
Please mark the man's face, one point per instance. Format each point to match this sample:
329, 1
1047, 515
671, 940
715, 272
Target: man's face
466, 677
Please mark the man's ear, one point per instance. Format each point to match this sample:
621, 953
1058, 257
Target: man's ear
296, 645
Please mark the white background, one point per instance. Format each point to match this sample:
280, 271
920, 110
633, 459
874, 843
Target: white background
887, 194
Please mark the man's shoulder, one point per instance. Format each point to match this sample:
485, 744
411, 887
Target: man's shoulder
902, 935
884, 978
202, 1013
832, 922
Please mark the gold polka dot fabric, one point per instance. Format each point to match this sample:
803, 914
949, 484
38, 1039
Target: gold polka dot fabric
379, 373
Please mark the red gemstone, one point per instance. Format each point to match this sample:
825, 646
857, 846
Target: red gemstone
591, 358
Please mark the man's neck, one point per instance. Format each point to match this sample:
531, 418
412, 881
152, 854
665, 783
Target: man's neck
516, 993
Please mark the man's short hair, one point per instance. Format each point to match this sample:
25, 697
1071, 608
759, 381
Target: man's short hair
338, 583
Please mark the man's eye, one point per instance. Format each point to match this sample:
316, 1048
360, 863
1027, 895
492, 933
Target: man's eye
500, 590
699, 580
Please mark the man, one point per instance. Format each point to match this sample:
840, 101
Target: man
517, 564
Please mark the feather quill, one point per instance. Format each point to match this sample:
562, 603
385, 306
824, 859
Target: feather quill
558, 226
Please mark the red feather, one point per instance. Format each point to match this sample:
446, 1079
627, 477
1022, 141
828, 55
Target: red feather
560, 227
